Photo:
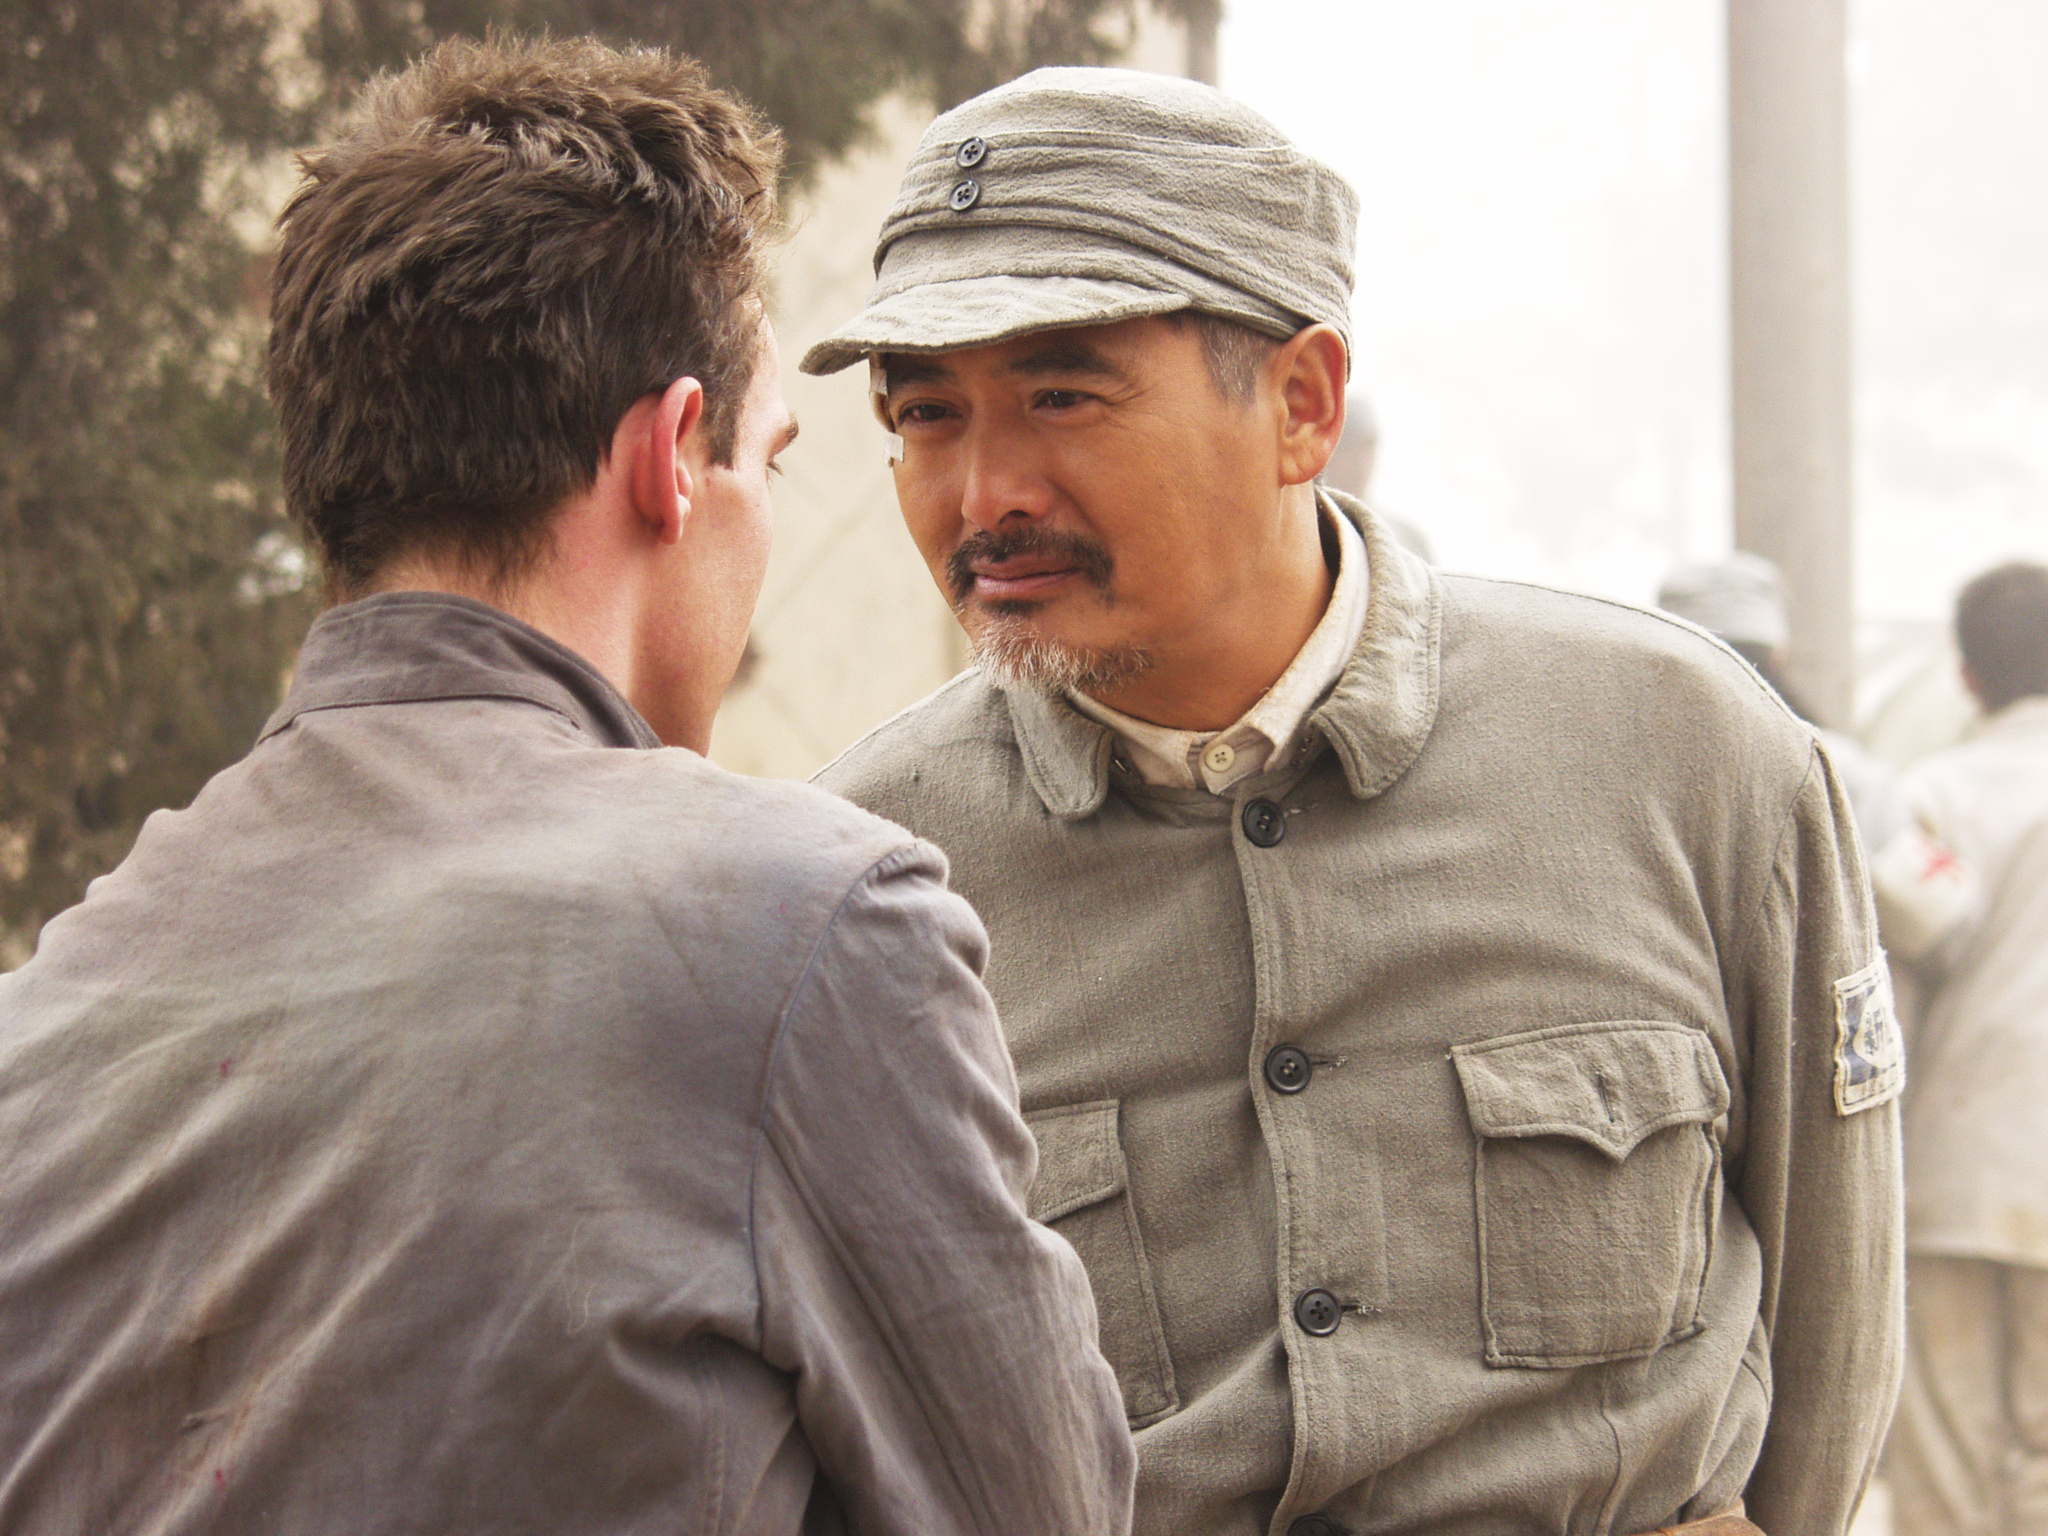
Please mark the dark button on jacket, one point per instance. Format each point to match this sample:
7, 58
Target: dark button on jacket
1288, 1068
1564, 911
1318, 1312
1264, 823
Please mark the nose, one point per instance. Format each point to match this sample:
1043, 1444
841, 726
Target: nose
1005, 484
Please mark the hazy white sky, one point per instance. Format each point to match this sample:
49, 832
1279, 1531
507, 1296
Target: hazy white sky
1542, 276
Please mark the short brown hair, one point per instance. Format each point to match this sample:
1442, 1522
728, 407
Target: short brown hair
514, 242
2002, 630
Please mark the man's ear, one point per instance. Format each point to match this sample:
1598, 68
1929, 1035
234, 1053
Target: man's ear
672, 442
1312, 367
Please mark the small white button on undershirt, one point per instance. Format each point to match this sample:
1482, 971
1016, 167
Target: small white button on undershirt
1218, 756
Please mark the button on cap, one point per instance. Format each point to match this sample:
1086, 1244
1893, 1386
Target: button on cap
965, 195
971, 153
1218, 756
1288, 1068
1264, 823
1318, 1312
1315, 1525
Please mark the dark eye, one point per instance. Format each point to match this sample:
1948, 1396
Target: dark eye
1061, 399
921, 413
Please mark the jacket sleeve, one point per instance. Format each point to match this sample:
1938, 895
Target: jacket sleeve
1820, 1177
943, 1345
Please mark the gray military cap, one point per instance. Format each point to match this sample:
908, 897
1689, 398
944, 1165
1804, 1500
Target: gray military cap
1741, 599
1085, 196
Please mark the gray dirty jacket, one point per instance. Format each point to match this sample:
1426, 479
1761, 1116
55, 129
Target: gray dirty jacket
450, 1124
1554, 1224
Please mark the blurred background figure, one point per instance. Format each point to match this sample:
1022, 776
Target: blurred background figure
1742, 600
1962, 895
1351, 466
1910, 693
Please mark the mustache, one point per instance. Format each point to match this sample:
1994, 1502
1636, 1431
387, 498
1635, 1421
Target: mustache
1083, 553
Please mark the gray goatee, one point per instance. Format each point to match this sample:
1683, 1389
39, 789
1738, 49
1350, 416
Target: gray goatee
1015, 656
1005, 646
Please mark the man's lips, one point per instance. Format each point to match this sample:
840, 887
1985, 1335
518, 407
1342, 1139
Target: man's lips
1023, 565
1021, 576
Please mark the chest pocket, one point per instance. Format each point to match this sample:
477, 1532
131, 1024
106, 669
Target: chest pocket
1083, 1192
1599, 1186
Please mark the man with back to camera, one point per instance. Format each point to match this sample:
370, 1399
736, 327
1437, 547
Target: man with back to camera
1448, 1009
1963, 895
467, 1117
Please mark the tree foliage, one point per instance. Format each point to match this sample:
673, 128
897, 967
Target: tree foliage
813, 66
140, 638
151, 592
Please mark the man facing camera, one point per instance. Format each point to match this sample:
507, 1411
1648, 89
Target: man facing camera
1449, 1010
476, 1112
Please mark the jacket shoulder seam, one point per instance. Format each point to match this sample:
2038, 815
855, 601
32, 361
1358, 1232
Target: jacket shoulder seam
1657, 615
1786, 819
957, 680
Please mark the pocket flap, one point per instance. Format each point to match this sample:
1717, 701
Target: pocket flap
1080, 1160
1609, 1084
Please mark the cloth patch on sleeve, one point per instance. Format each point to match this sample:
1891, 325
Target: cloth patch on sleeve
1870, 1058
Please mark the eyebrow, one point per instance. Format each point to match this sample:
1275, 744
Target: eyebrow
788, 436
1065, 356
899, 369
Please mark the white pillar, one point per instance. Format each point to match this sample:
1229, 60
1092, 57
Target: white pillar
1788, 220
1203, 24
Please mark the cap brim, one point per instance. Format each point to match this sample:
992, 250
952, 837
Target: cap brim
979, 311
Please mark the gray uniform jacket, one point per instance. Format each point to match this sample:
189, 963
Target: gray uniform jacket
450, 1124
1460, 1128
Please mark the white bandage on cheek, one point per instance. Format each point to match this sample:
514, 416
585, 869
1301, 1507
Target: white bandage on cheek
878, 386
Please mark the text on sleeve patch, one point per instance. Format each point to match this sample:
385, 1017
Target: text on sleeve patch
1870, 1057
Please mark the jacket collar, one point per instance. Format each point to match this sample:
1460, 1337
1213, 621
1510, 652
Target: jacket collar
1376, 718
404, 647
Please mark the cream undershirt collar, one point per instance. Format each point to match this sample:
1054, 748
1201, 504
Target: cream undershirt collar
1268, 735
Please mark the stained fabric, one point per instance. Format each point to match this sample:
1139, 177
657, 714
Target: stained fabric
1968, 1454
453, 1123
